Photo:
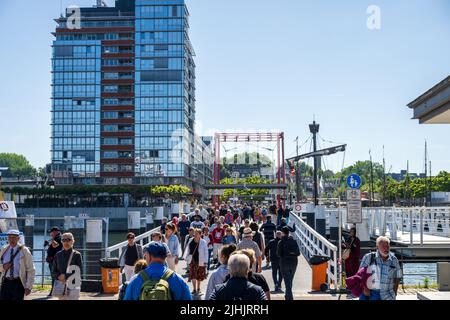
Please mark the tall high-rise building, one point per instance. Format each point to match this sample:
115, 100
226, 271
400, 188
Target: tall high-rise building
123, 97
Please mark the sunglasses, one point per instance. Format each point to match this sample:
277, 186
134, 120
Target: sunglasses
66, 240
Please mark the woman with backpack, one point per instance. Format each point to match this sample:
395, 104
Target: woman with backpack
197, 254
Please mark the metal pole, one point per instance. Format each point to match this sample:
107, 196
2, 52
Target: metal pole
107, 233
421, 226
42, 268
411, 226
340, 239
314, 129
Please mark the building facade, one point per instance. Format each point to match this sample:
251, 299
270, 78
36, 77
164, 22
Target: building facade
123, 108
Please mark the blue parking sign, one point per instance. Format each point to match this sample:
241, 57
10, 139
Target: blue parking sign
354, 181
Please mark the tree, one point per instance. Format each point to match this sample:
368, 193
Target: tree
18, 166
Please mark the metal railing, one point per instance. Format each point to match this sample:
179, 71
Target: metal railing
414, 221
312, 243
42, 271
143, 239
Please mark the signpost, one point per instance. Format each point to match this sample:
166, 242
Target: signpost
354, 208
298, 207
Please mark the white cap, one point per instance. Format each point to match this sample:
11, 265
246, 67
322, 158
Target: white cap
13, 232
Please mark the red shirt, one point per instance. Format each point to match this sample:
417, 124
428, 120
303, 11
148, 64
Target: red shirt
218, 234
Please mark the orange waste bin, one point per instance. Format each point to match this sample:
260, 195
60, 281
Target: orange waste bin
110, 280
110, 275
319, 276
319, 266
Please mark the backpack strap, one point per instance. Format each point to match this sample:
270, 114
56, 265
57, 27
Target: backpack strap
144, 276
167, 274
373, 258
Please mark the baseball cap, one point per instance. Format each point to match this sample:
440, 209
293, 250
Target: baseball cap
54, 229
157, 250
13, 232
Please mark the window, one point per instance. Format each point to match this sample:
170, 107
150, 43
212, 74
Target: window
110, 154
110, 168
110, 141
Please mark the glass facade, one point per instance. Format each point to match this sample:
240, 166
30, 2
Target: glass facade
124, 98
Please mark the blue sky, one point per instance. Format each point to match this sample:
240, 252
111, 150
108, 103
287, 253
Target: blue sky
269, 65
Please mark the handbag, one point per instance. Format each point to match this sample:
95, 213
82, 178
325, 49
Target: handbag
346, 252
60, 287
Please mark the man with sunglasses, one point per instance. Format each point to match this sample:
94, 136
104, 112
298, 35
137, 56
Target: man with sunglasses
132, 253
16, 268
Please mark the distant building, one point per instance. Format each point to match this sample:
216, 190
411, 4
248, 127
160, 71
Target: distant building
433, 107
123, 110
402, 175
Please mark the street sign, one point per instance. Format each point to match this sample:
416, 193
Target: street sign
354, 194
298, 207
354, 211
354, 207
7, 210
354, 181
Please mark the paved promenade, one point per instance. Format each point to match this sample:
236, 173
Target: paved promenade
302, 287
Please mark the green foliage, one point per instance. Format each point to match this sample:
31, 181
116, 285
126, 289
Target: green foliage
18, 166
249, 180
171, 190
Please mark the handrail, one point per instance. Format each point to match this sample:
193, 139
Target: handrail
139, 239
312, 243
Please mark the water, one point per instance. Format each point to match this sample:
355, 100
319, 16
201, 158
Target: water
415, 273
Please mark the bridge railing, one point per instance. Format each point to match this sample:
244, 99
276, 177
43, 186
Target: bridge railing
311, 243
143, 239
392, 221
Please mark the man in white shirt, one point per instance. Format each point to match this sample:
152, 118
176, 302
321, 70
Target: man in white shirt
17, 269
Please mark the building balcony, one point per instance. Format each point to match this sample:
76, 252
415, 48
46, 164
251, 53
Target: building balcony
117, 108
118, 68
121, 42
129, 147
117, 134
96, 30
117, 161
129, 55
129, 174
117, 94
118, 81
118, 121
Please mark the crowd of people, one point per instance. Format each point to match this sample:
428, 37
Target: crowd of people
225, 246
207, 240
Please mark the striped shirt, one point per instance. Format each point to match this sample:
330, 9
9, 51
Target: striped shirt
384, 274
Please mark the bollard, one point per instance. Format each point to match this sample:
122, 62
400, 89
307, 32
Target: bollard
134, 222
29, 231
159, 216
149, 220
320, 222
94, 248
334, 226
